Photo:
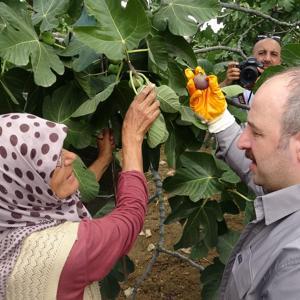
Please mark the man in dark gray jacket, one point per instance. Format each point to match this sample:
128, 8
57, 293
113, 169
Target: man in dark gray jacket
265, 263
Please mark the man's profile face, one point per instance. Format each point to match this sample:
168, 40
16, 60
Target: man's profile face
261, 139
267, 51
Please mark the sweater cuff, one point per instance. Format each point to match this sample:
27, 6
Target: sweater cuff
226, 120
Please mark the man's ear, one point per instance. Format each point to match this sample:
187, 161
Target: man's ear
297, 145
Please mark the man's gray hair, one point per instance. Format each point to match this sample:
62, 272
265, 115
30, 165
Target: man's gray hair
290, 121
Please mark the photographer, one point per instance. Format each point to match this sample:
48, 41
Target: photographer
267, 52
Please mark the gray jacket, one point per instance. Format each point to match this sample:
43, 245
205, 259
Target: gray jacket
265, 263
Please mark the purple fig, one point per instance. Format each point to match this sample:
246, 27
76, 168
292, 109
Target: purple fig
201, 82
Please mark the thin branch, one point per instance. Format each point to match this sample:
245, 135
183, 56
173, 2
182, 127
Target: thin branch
153, 197
160, 245
240, 195
239, 44
182, 257
158, 185
238, 49
215, 48
145, 274
257, 13
162, 217
224, 15
130, 65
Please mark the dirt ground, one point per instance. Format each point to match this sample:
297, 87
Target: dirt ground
171, 278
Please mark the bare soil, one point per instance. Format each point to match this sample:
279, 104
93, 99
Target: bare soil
171, 278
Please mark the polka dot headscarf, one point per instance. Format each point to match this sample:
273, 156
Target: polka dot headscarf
30, 150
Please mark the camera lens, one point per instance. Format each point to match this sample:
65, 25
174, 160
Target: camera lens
248, 75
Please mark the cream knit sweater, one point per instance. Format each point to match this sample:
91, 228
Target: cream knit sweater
37, 271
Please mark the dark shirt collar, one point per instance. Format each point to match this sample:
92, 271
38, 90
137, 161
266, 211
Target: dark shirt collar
277, 205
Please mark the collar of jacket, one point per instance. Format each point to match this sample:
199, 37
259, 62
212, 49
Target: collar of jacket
277, 205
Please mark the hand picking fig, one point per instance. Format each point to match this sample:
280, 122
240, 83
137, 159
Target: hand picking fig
200, 82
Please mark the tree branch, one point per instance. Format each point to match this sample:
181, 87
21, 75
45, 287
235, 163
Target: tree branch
145, 274
162, 216
160, 245
182, 257
158, 185
238, 49
239, 45
215, 48
257, 13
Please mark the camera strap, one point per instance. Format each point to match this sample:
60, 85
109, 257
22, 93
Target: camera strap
249, 97
246, 97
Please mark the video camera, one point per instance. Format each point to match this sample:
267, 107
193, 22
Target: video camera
249, 71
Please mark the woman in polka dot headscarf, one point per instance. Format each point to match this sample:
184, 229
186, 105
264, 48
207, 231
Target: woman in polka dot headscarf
49, 246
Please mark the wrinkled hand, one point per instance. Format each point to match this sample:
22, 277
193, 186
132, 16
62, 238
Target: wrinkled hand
63, 181
106, 144
208, 104
140, 115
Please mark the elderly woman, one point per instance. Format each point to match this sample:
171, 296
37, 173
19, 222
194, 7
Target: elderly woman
50, 248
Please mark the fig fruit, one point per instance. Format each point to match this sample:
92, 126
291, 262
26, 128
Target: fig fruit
201, 82
48, 38
137, 81
113, 69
